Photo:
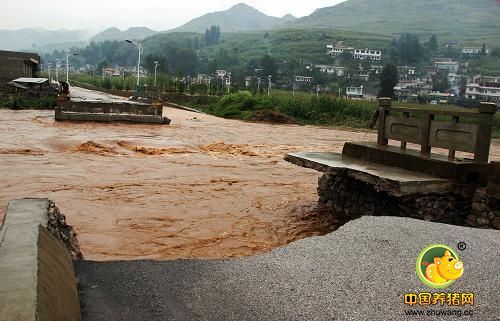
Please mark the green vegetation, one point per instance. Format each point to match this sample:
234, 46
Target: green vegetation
46, 102
303, 109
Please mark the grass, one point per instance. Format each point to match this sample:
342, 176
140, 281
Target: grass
18, 103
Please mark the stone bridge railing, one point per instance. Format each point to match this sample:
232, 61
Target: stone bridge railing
465, 131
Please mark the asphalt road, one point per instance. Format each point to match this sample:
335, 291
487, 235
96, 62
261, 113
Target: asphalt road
359, 272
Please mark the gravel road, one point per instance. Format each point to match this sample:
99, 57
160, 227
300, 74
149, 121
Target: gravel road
359, 272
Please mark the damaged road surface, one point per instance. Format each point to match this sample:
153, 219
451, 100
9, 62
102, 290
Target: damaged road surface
359, 272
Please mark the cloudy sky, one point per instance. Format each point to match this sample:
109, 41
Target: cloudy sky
158, 15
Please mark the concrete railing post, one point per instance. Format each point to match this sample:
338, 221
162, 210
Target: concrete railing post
383, 103
486, 113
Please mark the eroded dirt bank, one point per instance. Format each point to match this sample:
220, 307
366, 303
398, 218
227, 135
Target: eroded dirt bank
202, 187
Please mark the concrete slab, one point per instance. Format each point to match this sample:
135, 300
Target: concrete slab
391, 178
360, 272
36, 275
460, 171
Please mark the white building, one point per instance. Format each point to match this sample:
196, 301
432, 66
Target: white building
220, 73
450, 66
338, 49
354, 92
304, 79
484, 89
367, 53
474, 51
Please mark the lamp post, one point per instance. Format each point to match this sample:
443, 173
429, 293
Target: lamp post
209, 80
156, 66
140, 51
269, 85
67, 63
258, 85
229, 82
317, 90
50, 79
293, 90
57, 69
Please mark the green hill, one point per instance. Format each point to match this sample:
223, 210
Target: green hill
240, 17
470, 20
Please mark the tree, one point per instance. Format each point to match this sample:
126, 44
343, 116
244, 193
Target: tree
269, 66
103, 64
440, 82
388, 80
406, 50
432, 45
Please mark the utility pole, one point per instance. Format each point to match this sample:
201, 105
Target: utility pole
156, 66
50, 79
269, 85
57, 69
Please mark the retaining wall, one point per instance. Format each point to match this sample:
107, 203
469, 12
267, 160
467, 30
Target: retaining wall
37, 281
350, 198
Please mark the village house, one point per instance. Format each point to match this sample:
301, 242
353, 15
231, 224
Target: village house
354, 92
220, 73
338, 49
449, 66
304, 79
472, 51
484, 89
366, 53
18, 64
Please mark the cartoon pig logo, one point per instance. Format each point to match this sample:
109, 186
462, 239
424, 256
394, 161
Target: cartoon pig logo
439, 266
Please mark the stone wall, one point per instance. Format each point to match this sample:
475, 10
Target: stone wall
58, 227
349, 198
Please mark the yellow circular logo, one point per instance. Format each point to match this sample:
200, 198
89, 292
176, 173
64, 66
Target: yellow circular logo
439, 266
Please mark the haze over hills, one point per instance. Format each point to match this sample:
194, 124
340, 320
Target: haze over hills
240, 17
31, 38
445, 17
117, 34
473, 21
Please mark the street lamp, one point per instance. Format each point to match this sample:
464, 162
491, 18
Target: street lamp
140, 50
258, 85
209, 80
57, 69
229, 82
293, 90
317, 90
67, 63
156, 66
50, 79
269, 83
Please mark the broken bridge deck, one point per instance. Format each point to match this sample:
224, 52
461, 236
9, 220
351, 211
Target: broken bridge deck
397, 180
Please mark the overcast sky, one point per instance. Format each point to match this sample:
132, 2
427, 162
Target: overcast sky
159, 15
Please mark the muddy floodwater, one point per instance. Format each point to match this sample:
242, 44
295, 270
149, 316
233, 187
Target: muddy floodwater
202, 187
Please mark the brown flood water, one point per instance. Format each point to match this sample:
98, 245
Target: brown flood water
202, 187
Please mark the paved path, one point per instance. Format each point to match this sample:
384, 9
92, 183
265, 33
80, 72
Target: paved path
81, 94
359, 272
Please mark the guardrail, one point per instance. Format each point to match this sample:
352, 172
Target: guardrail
420, 126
